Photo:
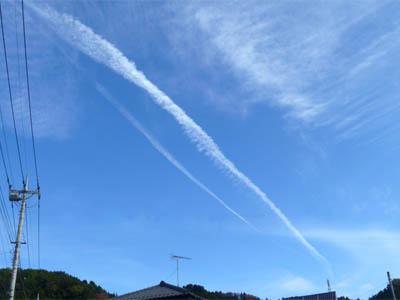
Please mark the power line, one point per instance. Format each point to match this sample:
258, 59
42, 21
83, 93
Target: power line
5, 221
30, 117
29, 95
1, 148
5, 216
4, 164
6, 144
10, 93
19, 95
2, 248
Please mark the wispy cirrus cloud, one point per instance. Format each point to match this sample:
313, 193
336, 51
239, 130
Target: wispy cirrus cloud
319, 62
365, 244
285, 285
54, 108
373, 250
297, 284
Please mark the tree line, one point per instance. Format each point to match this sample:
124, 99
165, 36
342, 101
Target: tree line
49, 285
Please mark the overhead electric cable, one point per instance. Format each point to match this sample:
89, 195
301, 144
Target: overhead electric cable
5, 165
2, 154
31, 123
19, 94
10, 93
5, 222
7, 154
5, 216
3, 127
3, 249
29, 95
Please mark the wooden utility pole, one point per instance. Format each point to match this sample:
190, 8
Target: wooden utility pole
19, 195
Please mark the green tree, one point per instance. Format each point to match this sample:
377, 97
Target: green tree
50, 285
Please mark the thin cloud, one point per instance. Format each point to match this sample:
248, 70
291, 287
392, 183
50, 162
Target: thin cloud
363, 243
297, 284
311, 63
54, 109
135, 123
102, 51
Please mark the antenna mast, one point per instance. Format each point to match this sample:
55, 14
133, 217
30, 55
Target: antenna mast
329, 285
177, 258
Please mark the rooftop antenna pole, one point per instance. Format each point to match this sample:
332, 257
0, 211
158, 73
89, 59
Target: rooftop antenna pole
391, 286
177, 258
329, 285
15, 196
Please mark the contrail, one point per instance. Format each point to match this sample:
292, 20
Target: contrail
135, 123
102, 51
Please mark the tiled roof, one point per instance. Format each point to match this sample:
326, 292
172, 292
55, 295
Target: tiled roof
161, 291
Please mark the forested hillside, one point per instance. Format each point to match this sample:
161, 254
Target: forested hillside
50, 285
386, 293
202, 292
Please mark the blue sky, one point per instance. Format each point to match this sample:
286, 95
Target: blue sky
148, 115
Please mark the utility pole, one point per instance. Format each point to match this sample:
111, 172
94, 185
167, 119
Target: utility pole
15, 196
177, 265
391, 286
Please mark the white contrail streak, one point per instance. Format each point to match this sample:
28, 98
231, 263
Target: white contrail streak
135, 123
95, 46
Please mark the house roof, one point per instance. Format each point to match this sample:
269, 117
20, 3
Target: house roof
160, 291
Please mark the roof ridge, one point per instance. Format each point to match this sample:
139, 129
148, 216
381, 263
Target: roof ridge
179, 289
135, 292
173, 287
162, 290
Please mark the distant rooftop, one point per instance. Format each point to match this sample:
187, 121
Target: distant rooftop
160, 292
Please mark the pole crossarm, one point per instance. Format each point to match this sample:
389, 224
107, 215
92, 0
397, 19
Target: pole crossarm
18, 195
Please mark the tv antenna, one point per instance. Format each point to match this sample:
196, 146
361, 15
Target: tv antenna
177, 258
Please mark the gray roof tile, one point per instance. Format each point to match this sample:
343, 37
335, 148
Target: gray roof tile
163, 290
